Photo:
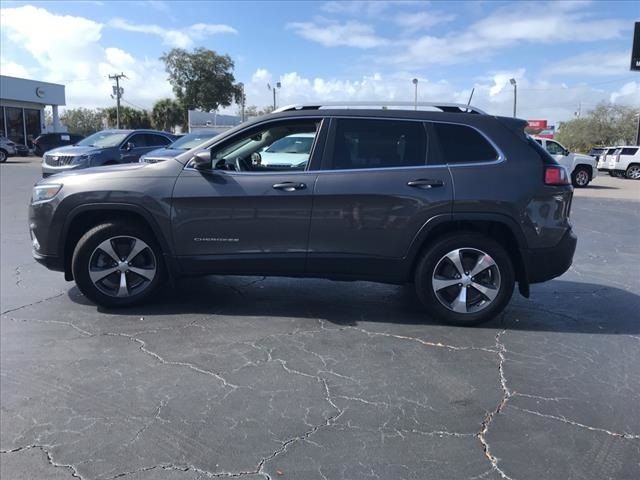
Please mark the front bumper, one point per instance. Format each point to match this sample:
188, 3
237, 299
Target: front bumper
48, 170
542, 264
51, 262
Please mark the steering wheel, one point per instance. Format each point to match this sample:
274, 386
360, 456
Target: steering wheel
238, 164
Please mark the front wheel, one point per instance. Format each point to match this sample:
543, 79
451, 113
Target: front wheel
3, 156
580, 177
465, 279
117, 264
633, 172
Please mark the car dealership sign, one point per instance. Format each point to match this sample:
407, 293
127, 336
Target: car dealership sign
537, 124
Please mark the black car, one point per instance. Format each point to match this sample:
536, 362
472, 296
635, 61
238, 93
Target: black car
49, 141
459, 203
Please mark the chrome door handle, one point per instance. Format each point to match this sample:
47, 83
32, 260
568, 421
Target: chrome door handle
289, 186
425, 183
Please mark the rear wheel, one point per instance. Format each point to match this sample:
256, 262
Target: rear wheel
465, 279
633, 172
580, 177
3, 156
117, 264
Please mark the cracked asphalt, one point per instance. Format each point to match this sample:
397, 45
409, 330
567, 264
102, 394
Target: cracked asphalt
273, 378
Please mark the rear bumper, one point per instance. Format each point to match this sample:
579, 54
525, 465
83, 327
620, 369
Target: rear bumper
542, 264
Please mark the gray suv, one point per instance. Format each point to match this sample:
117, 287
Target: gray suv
108, 147
460, 203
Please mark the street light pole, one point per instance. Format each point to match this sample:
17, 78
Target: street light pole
415, 94
273, 89
515, 94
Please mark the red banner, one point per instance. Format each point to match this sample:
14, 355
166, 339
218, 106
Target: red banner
541, 124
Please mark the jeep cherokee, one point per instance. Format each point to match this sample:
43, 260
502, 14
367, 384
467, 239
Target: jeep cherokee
458, 202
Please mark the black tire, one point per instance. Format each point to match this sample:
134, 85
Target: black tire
433, 258
3, 156
580, 177
83, 256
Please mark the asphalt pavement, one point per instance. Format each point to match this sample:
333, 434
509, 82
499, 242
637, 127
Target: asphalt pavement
275, 378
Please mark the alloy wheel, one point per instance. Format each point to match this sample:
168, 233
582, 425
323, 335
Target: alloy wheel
122, 266
633, 172
582, 178
466, 280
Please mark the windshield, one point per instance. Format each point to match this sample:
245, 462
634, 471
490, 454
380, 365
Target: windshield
292, 144
103, 139
191, 140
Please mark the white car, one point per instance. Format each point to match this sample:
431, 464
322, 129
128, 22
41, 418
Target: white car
581, 168
603, 159
290, 151
625, 162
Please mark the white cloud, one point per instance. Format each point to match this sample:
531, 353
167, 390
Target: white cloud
72, 54
493, 93
591, 64
628, 94
348, 34
182, 38
413, 21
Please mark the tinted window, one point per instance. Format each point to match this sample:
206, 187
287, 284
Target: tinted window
138, 140
378, 144
628, 151
462, 144
152, 140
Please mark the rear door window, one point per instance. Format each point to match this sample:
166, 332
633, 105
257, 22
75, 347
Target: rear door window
463, 144
373, 143
156, 140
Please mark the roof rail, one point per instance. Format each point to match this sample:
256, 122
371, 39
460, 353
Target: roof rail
444, 107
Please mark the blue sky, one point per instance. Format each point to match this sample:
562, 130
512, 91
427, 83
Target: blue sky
565, 55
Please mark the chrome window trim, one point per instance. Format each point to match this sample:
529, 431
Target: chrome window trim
501, 156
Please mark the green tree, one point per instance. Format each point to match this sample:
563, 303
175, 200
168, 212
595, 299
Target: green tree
607, 124
201, 79
167, 113
83, 121
129, 117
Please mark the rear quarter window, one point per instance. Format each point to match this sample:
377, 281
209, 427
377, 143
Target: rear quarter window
463, 144
628, 151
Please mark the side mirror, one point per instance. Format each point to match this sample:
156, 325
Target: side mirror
256, 158
202, 160
566, 152
130, 146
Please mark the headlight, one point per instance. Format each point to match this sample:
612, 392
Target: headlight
43, 193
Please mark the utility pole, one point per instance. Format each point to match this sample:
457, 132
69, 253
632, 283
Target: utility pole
117, 91
242, 102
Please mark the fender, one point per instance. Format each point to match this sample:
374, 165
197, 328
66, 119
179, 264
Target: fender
165, 245
440, 222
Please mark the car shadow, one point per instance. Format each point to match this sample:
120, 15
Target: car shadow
601, 187
555, 306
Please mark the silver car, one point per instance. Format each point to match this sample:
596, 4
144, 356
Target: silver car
7, 149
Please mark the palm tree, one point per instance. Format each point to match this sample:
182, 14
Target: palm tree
166, 114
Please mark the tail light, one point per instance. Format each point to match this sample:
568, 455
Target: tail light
555, 175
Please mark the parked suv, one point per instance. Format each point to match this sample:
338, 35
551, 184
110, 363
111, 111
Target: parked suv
581, 168
460, 203
626, 162
108, 147
48, 141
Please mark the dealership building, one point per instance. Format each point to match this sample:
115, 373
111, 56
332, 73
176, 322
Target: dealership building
22, 104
